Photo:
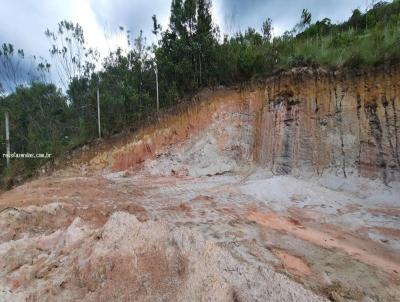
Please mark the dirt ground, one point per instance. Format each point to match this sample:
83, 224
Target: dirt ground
335, 242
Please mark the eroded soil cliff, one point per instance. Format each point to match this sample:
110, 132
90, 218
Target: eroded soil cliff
346, 123
302, 122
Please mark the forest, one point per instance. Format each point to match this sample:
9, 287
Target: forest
53, 115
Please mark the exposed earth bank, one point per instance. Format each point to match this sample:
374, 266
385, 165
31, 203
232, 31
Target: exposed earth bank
303, 122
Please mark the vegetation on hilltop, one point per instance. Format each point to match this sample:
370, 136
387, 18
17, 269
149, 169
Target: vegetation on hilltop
188, 55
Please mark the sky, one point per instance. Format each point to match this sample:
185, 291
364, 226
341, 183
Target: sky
23, 22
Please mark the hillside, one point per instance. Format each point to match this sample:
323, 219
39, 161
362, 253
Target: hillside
286, 190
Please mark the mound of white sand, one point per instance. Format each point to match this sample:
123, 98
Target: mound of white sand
127, 260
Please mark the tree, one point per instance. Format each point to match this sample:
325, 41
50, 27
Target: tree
305, 19
39, 122
356, 19
176, 18
139, 55
2, 91
189, 17
267, 30
155, 31
205, 39
71, 56
11, 66
18, 70
156, 26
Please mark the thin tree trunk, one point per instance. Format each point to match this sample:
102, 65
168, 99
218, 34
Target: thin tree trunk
158, 103
7, 138
200, 69
98, 111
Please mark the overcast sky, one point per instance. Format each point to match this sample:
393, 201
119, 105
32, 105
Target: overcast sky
23, 22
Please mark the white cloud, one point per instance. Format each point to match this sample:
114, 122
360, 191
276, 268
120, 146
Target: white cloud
284, 14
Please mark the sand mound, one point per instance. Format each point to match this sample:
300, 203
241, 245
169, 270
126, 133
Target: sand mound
127, 260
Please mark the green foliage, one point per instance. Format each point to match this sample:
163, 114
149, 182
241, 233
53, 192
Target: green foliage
40, 123
267, 30
364, 40
186, 52
305, 19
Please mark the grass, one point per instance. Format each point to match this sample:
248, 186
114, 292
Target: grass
344, 49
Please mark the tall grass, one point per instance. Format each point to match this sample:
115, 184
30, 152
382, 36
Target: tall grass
380, 44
